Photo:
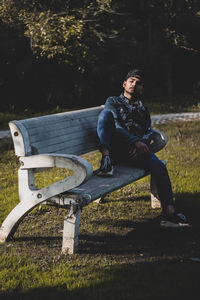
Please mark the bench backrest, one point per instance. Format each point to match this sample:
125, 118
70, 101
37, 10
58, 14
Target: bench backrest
69, 133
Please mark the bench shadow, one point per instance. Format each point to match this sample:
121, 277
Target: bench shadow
189, 204
147, 236
126, 199
140, 236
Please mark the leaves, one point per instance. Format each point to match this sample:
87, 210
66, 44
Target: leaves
65, 34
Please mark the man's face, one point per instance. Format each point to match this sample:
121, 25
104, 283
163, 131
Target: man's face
132, 85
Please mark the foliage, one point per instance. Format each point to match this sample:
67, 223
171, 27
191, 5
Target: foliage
65, 51
60, 29
71, 29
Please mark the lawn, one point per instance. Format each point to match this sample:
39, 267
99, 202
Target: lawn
123, 253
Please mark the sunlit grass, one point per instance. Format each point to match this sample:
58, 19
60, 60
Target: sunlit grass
123, 253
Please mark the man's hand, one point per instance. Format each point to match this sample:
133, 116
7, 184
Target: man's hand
137, 148
141, 147
132, 153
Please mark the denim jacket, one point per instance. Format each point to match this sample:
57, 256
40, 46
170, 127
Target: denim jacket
132, 121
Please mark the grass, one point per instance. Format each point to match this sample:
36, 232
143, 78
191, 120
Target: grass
123, 253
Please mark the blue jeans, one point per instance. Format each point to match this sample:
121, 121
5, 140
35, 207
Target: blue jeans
109, 139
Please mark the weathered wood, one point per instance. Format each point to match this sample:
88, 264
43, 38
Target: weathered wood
68, 138
60, 125
64, 117
68, 132
97, 187
56, 133
60, 145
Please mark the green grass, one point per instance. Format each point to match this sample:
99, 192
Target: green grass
123, 253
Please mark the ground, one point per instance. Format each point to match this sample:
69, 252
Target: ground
123, 252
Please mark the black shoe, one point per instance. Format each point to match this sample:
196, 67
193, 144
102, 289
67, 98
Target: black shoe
174, 220
106, 168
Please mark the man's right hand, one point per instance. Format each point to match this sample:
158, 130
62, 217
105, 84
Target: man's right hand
141, 147
137, 148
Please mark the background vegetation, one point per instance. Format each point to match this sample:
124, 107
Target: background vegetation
64, 53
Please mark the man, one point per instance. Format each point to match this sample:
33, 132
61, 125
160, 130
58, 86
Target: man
125, 132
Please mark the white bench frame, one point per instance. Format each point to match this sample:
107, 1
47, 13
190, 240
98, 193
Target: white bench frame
73, 192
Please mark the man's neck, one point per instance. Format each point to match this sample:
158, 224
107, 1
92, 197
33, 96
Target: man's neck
130, 97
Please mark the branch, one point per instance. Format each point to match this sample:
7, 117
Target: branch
190, 49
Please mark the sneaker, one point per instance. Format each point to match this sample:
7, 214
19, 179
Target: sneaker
174, 220
106, 168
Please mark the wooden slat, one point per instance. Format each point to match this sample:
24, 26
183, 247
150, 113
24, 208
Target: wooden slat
62, 117
67, 133
60, 133
74, 138
85, 123
79, 150
65, 146
100, 186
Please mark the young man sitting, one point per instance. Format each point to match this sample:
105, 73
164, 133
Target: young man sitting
125, 132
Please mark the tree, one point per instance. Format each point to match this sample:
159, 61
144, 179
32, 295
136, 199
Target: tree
95, 42
58, 29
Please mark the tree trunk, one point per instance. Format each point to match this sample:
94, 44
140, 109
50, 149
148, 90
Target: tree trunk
167, 67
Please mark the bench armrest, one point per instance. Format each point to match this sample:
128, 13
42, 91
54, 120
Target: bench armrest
159, 141
81, 168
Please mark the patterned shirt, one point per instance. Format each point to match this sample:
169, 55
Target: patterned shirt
132, 120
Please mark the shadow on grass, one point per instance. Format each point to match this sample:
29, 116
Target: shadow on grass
147, 239
141, 235
146, 236
151, 263
190, 205
167, 280
126, 199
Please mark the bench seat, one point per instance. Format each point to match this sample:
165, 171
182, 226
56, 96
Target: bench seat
98, 187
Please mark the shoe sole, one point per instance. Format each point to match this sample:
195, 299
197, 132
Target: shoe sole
173, 225
106, 174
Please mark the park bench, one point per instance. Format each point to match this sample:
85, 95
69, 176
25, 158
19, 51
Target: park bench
58, 140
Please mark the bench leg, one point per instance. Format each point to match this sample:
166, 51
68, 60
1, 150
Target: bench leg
155, 202
14, 218
70, 231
